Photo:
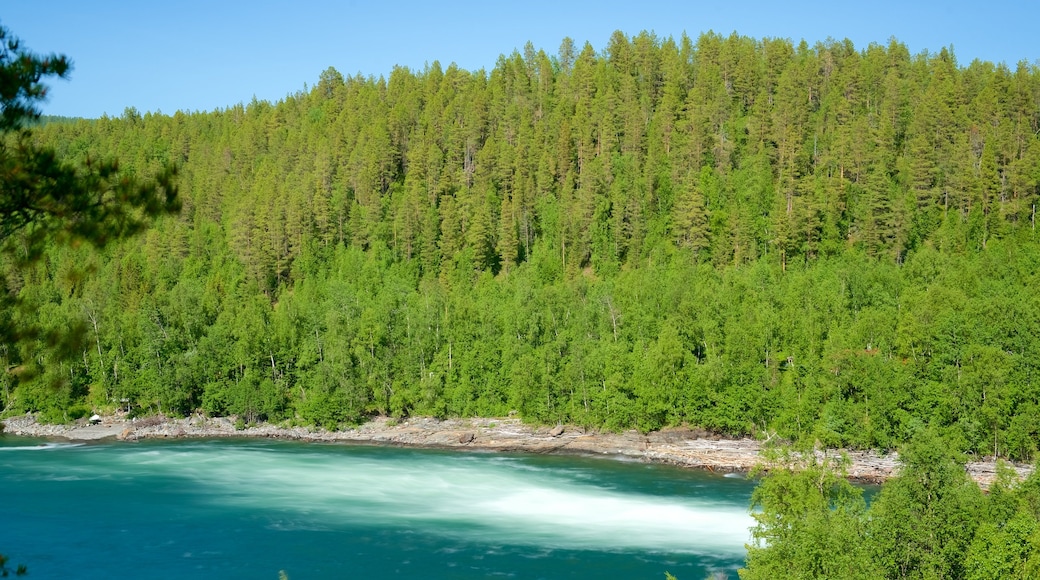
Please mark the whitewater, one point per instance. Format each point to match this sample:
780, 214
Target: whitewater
249, 509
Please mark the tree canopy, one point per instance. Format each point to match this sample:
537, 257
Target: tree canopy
931, 521
820, 242
48, 202
831, 245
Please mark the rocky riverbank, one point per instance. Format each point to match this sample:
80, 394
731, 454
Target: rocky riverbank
681, 447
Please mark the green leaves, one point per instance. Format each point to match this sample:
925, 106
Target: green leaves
741, 235
931, 521
47, 202
923, 521
20, 86
811, 521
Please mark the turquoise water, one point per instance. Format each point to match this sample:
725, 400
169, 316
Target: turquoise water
247, 509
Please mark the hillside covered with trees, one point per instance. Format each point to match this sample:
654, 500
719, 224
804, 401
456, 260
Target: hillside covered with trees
822, 242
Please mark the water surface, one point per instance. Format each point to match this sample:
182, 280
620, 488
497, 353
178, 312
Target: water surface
247, 509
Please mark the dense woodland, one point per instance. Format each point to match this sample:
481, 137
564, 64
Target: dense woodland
931, 521
816, 242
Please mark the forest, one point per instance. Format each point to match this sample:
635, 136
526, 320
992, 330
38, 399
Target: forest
827, 244
930, 521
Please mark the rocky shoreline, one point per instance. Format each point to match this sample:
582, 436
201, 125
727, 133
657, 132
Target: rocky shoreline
682, 447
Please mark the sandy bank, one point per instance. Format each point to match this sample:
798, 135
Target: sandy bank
673, 446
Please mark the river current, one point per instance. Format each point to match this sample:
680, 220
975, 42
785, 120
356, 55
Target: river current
250, 508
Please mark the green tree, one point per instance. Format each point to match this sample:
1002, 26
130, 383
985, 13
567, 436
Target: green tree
691, 221
45, 200
1007, 542
812, 522
336, 251
923, 521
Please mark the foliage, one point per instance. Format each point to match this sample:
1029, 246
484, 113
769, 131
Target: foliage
1007, 541
811, 522
827, 245
931, 521
816, 242
48, 203
923, 521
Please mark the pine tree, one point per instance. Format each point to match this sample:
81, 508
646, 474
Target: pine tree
691, 222
507, 241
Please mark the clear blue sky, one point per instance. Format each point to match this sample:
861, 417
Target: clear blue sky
192, 55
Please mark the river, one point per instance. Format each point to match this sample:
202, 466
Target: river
252, 508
